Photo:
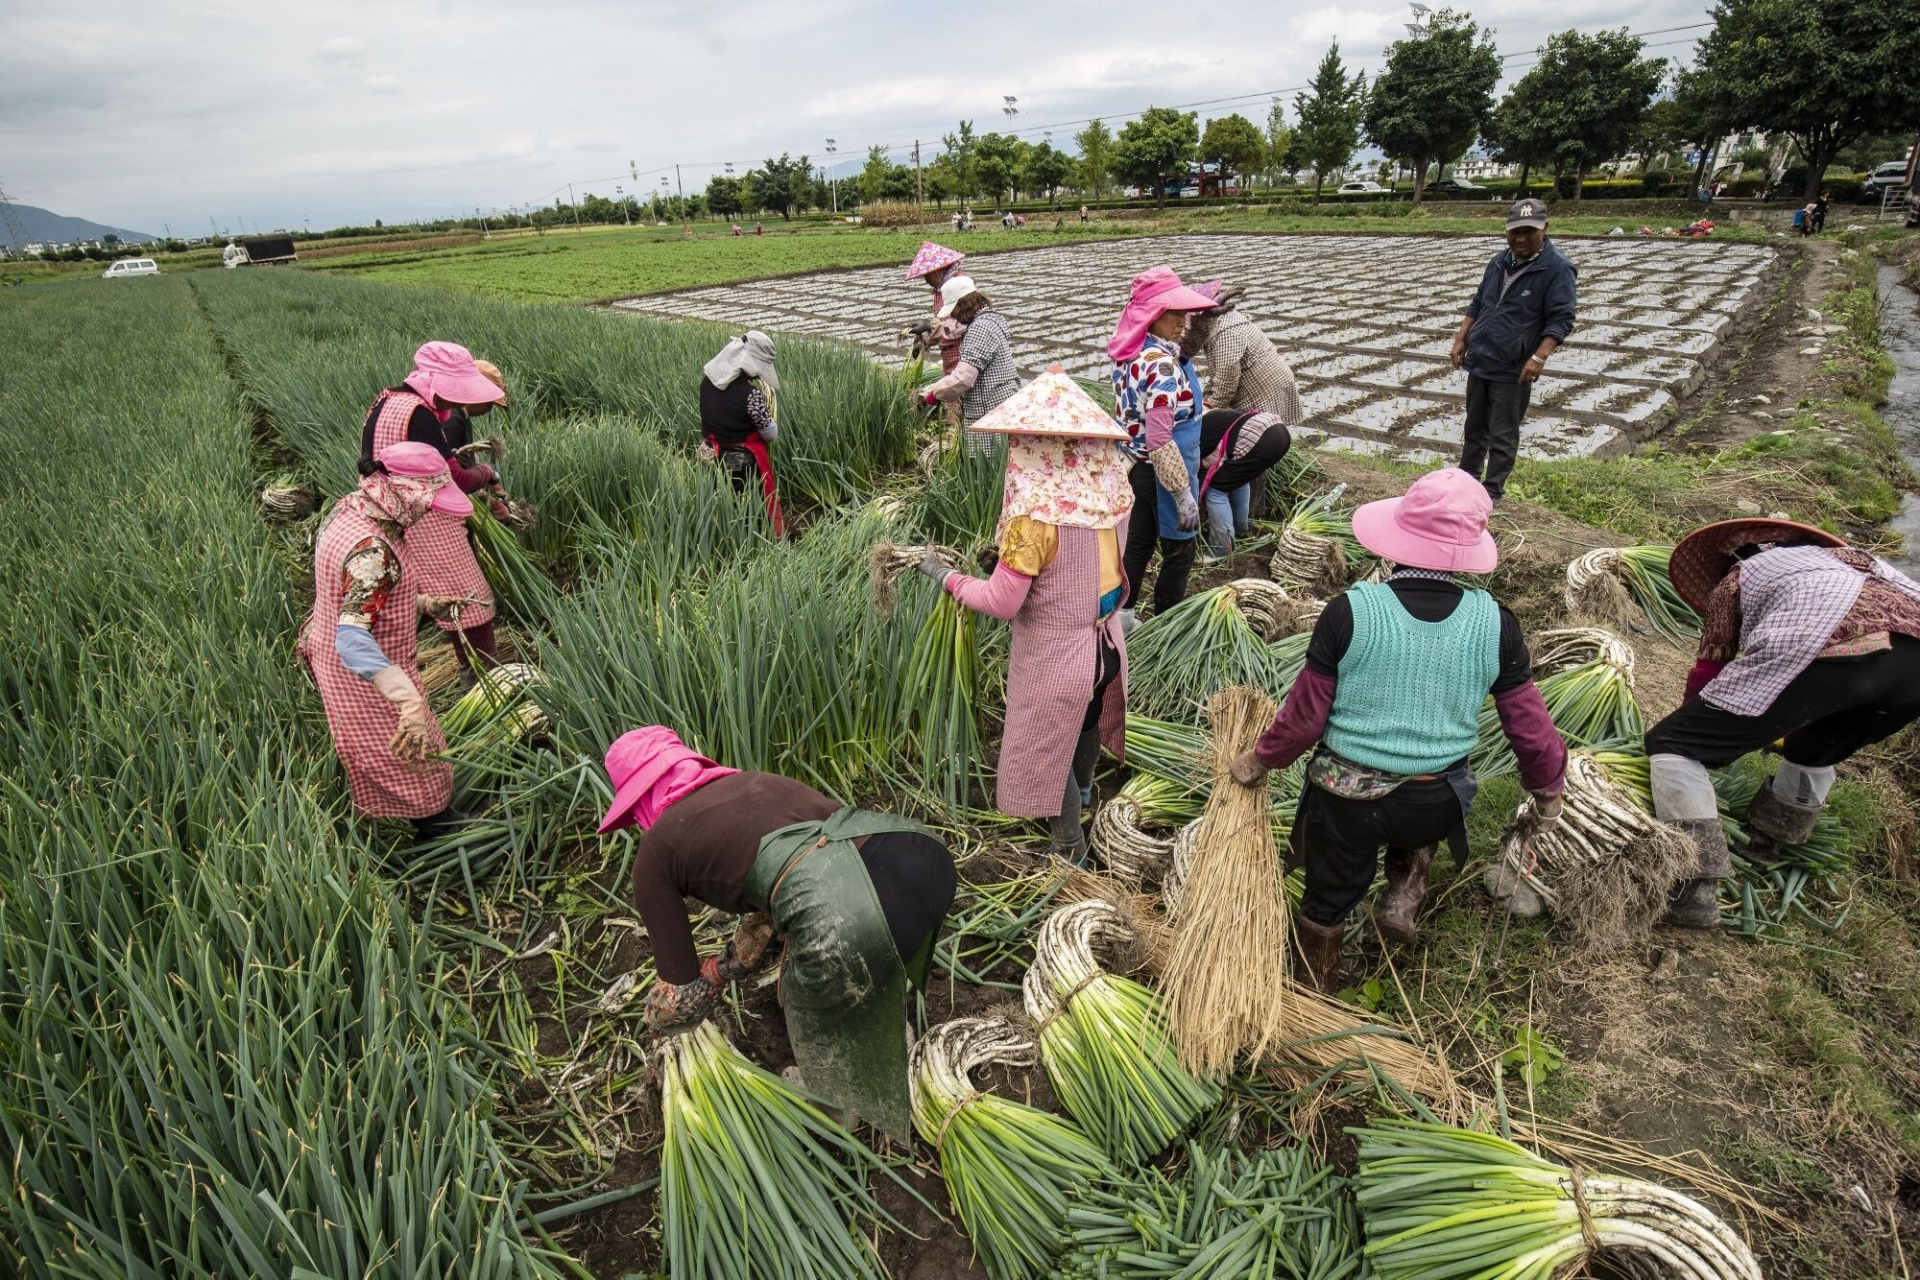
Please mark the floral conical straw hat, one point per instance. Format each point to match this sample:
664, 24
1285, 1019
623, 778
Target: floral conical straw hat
1052, 405
932, 257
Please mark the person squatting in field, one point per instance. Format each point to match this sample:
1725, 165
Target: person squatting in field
1389, 703
359, 641
1805, 640
445, 379
738, 388
854, 900
1245, 374
1063, 520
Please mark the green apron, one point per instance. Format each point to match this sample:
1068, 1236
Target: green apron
843, 984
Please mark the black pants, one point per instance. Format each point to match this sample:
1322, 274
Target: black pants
1143, 532
742, 468
1494, 410
1339, 840
1831, 710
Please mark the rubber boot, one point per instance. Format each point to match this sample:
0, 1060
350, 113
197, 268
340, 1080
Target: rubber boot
1774, 823
1406, 889
1320, 952
1692, 904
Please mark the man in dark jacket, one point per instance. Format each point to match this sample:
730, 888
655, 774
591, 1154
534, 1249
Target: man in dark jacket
1523, 310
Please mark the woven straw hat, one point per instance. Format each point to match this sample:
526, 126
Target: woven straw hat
1704, 556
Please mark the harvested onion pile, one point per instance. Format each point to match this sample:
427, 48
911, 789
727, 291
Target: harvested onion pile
1605, 584
1132, 855
1317, 547
498, 707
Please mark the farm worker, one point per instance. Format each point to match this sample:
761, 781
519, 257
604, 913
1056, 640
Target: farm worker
1237, 447
1063, 517
358, 644
444, 379
737, 391
1390, 701
458, 431
1804, 639
1156, 395
984, 375
854, 899
934, 263
1523, 309
1245, 371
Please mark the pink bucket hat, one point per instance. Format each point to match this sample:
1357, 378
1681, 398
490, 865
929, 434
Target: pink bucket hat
1439, 523
651, 768
445, 373
1156, 291
423, 462
931, 257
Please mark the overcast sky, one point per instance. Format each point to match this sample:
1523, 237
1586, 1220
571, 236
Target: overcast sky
164, 114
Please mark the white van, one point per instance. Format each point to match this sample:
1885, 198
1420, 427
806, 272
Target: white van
131, 267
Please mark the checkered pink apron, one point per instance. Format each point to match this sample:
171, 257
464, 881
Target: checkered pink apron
437, 550
362, 720
1050, 678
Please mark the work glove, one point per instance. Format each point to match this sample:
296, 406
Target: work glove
412, 741
1247, 770
753, 949
1540, 814
671, 1009
936, 568
441, 606
1170, 469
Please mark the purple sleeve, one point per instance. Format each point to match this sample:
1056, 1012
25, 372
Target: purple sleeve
1159, 428
1302, 719
470, 479
998, 597
1536, 743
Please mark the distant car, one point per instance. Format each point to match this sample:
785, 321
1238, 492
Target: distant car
1189, 193
1891, 176
1451, 187
131, 267
1360, 189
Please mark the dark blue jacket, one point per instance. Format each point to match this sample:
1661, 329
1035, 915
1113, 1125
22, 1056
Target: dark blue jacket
1508, 330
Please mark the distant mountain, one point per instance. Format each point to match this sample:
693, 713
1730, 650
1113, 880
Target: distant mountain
42, 225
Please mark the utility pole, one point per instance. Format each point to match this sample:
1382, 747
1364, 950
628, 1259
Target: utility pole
834, 190
16, 233
576, 207
919, 190
686, 219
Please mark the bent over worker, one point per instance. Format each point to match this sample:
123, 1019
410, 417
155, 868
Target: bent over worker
1805, 639
1063, 520
852, 899
1389, 702
737, 389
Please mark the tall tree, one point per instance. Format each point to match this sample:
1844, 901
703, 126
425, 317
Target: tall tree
1096, 156
1329, 130
1046, 169
1591, 91
1158, 145
1235, 144
1822, 74
941, 181
873, 174
1283, 144
1663, 128
1434, 94
960, 146
998, 159
779, 185
1521, 131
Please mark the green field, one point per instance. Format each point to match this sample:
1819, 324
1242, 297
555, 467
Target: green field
250, 1034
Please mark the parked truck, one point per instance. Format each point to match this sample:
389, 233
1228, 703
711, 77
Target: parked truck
258, 251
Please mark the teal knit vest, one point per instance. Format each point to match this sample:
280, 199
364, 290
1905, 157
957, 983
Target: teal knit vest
1408, 695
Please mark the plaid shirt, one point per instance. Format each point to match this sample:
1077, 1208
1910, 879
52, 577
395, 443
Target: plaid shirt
1246, 371
1795, 604
986, 348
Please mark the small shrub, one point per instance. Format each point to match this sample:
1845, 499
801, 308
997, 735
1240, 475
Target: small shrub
888, 213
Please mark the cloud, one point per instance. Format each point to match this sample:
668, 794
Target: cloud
340, 50
384, 82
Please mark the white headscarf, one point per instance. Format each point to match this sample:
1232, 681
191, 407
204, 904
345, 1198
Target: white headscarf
751, 355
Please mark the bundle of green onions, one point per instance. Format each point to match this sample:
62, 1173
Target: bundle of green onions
943, 674
520, 586
755, 1180
497, 708
1445, 1202
1011, 1170
1231, 1213
284, 497
1591, 704
1565, 648
1104, 1038
1607, 865
1605, 584
1132, 855
1317, 547
1218, 638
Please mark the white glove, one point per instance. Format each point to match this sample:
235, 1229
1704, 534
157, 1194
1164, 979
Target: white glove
1170, 469
412, 741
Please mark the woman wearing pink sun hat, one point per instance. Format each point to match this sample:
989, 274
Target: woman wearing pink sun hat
935, 263
1389, 703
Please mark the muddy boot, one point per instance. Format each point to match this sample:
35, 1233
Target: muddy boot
1406, 889
1692, 904
1319, 946
1773, 823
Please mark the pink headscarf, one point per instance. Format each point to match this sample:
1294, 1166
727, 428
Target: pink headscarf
444, 373
650, 769
1156, 291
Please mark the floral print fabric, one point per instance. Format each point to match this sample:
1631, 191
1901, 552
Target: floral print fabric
1152, 379
1065, 480
367, 577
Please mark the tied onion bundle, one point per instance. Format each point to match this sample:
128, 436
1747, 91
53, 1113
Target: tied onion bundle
499, 707
1269, 1213
1605, 584
888, 562
520, 585
1591, 705
943, 673
1104, 1038
1220, 637
1445, 1202
1221, 1000
1132, 855
1011, 1170
1317, 547
755, 1180
1565, 648
285, 498
1607, 866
